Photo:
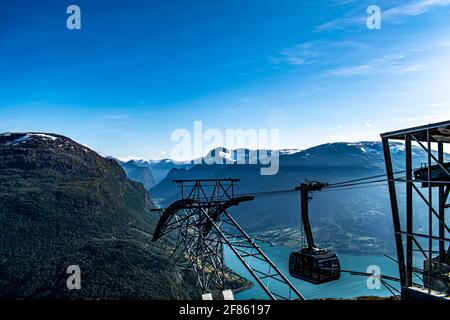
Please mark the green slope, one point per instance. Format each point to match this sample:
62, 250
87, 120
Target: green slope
63, 204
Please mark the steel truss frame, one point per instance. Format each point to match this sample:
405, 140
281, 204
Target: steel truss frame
203, 227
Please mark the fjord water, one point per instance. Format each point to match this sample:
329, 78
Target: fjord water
348, 286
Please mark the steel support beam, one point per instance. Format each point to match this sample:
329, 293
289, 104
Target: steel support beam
409, 211
442, 201
395, 214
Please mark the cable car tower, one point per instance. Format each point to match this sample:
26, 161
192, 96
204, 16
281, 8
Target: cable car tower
202, 227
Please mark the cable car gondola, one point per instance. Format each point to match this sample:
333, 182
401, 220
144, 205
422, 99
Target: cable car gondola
315, 265
312, 264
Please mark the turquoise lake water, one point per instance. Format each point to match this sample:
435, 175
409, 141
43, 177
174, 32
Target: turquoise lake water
347, 287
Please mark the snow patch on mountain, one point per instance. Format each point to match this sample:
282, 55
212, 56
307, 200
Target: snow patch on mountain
287, 152
226, 156
27, 137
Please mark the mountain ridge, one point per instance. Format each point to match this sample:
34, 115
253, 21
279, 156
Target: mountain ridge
63, 204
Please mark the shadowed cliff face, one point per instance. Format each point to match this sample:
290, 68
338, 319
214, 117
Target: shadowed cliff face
139, 174
63, 204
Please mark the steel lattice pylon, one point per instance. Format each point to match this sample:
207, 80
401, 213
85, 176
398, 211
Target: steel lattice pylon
203, 227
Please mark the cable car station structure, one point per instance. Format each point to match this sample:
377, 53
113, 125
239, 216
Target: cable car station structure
430, 184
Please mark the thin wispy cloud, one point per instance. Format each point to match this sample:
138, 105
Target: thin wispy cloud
339, 24
426, 115
304, 53
314, 51
394, 14
343, 58
438, 104
117, 117
426, 57
414, 8
393, 64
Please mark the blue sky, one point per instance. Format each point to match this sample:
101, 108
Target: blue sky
137, 70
